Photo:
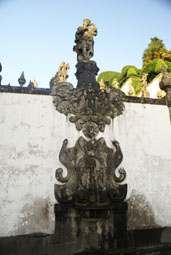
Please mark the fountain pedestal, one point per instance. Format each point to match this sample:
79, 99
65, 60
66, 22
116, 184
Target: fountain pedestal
92, 227
91, 213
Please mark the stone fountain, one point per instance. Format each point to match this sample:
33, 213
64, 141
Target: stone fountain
91, 212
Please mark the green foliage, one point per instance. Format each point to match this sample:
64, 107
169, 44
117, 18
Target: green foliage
126, 73
156, 49
108, 77
168, 65
153, 58
131, 72
158, 66
154, 68
136, 83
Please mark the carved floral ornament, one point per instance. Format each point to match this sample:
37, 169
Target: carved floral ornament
89, 107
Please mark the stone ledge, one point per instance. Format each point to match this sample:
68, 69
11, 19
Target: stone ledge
47, 91
142, 241
24, 90
141, 100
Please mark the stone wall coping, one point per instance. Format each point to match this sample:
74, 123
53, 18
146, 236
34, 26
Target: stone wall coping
47, 91
24, 90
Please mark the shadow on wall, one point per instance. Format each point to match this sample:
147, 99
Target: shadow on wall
140, 213
35, 217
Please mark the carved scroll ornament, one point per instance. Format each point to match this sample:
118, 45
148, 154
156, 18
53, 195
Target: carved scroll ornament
91, 173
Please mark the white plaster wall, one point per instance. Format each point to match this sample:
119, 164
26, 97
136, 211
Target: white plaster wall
32, 132
125, 87
144, 134
153, 87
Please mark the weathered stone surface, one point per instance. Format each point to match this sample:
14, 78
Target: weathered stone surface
24, 90
91, 209
61, 76
88, 105
22, 80
91, 227
166, 235
86, 74
165, 83
141, 242
84, 40
91, 177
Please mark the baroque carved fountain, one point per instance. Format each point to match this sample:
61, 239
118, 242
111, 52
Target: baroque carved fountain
91, 212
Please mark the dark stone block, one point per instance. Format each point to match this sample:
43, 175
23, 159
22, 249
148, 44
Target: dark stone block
92, 227
86, 74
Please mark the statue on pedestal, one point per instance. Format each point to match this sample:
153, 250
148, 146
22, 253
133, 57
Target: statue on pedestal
86, 69
84, 40
62, 74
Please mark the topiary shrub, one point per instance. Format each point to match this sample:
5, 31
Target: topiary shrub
131, 72
108, 77
154, 68
136, 83
126, 73
168, 65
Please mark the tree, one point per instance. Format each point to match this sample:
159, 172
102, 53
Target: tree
156, 49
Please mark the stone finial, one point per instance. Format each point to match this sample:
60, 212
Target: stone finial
35, 84
102, 85
31, 85
144, 91
62, 74
160, 94
165, 83
84, 40
116, 84
0, 67
22, 80
130, 91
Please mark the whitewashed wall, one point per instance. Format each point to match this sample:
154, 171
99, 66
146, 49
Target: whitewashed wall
32, 132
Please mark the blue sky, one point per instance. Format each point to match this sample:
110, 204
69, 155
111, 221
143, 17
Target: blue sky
37, 35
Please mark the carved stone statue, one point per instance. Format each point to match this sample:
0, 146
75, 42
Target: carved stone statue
62, 72
62, 75
84, 40
102, 85
130, 91
35, 84
115, 84
144, 91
